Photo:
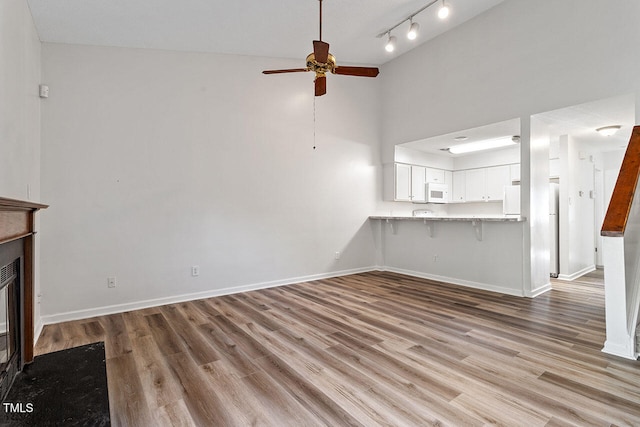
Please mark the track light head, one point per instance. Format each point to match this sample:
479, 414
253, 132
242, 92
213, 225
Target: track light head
391, 44
413, 30
443, 12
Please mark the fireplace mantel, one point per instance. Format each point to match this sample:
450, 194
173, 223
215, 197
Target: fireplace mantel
17, 222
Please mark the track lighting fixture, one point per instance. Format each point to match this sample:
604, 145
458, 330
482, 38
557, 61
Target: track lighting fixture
391, 44
412, 34
413, 30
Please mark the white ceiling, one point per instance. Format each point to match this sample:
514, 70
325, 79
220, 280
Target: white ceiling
282, 29
578, 121
437, 144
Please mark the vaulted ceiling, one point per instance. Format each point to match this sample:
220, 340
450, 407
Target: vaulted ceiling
283, 28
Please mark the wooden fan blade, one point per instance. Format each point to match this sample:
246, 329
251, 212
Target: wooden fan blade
290, 70
321, 51
357, 71
321, 85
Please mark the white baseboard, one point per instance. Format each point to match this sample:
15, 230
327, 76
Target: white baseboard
461, 282
577, 274
625, 350
121, 308
137, 305
541, 290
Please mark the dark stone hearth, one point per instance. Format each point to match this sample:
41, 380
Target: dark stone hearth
68, 387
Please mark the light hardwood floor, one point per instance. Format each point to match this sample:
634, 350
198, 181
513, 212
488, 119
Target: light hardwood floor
368, 349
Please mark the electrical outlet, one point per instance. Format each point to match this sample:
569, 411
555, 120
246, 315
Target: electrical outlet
337, 255
195, 270
111, 282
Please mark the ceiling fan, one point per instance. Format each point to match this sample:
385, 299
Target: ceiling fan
321, 62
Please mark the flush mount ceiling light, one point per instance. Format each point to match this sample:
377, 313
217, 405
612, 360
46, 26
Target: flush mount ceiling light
608, 130
391, 44
486, 144
412, 34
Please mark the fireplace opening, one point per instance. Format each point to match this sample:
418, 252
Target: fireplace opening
10, 325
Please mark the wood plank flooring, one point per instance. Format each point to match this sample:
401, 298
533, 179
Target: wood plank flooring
364, 350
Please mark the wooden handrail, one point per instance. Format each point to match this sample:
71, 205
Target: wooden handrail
615, 221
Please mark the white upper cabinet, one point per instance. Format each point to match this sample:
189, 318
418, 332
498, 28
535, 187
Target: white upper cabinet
458, 186
435, 175
418, 190
470, 185
497, 178
403, 182
475, 185
486, 184
448, 179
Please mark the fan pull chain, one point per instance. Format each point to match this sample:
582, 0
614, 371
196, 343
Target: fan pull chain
314, 122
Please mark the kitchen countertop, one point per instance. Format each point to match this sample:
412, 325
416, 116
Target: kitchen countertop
495, 218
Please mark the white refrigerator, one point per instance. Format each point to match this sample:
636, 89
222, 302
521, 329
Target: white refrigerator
511, 206
553, 228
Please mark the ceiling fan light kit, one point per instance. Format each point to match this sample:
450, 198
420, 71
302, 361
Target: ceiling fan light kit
321, 62
412, 34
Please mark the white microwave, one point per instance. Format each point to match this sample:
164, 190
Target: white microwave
437, 193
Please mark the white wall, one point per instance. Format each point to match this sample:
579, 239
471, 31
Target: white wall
488, 263
607, 169
155, 161
422, 158
19, 102
518, 59
20, 112
503, 156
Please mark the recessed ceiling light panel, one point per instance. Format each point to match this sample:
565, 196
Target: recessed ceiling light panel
486, 144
